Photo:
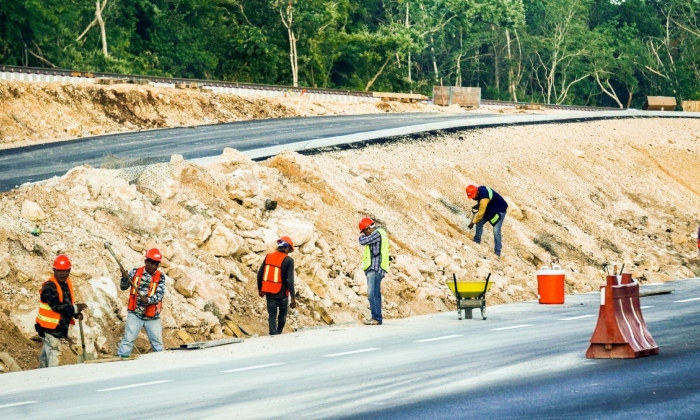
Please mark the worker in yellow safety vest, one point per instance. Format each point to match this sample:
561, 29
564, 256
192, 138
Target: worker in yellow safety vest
375, 263
276, 284
56, 311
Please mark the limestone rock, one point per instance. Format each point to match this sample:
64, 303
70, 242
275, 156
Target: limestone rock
300, 230
223, 242
186, 285
243, 184
230, 160
211, 291
4, 267
197, 229
32, 211
244, 223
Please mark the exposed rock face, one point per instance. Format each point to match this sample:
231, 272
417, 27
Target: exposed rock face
223, 242
32, 211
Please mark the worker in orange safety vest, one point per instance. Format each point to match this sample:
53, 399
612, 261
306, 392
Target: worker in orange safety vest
276, 283
56, 311
146, 286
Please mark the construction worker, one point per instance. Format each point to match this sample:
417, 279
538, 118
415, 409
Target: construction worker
375, 262
146, 286
276, 283
490, 207
698, 240
56, 311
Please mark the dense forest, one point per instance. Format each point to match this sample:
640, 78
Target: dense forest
594, 52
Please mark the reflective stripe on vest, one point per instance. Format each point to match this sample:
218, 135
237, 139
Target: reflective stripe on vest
151, 310
495, 218
384, 253
272, 273
47, 317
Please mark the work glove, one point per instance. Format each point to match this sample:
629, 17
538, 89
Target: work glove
471, 225
81, 307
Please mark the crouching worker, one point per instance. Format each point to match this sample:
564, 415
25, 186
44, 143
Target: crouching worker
276, 283
146, 290
56, 311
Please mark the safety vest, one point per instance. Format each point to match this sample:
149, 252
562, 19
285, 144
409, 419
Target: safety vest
384, 253
151, 310
272, 273
47, 317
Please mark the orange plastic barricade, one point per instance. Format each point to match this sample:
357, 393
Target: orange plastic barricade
621, 332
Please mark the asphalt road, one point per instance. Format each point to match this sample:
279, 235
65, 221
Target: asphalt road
43, 161
525, 361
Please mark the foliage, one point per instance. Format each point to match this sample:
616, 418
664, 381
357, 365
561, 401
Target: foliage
595, 52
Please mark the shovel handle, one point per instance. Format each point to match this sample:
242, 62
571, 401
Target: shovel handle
82, 336
111, 251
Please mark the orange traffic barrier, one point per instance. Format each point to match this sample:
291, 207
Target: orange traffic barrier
621, 332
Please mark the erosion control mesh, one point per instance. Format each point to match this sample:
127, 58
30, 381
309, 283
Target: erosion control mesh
145, 172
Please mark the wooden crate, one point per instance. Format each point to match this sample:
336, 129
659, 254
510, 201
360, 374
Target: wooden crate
455, 95
660, 103
691, 106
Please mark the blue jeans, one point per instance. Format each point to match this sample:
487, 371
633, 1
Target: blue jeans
496, 233
374, 293
132, 328
277, 314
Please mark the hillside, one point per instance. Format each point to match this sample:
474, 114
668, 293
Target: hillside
581, 195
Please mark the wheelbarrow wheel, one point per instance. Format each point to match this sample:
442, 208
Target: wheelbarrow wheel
483, 313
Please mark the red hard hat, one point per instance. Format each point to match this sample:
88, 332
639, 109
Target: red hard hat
365, 223
154, 254
471, 191
62, 262
287, 240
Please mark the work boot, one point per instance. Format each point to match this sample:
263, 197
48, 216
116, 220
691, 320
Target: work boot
372, 322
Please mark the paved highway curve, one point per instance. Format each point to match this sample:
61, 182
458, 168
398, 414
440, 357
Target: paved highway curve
43, 161
525, 361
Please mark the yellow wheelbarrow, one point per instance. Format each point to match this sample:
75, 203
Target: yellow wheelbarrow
470, 295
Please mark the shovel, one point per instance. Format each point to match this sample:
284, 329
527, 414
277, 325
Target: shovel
84, 355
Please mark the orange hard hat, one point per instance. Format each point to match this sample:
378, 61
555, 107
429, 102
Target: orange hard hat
471, 191
286, 240
62, 262
365, 223
154, 254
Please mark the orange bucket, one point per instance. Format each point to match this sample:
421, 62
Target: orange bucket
550, 284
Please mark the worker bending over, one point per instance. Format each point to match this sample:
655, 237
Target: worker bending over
490, 207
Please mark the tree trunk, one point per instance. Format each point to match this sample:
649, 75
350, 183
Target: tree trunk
629, 99
381, 69
511, 77
288, 23
409, 52
103, 32
432, 51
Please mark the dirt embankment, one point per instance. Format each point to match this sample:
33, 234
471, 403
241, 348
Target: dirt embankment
45, 112
581, 195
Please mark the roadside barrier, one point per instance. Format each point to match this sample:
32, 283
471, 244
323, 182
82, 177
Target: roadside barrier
621, 332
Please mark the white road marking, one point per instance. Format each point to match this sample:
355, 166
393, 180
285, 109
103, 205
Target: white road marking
645, 307
352, 352
437, 338
685, 300
511, 328
253, 367
116, 388
575, 317
18, 404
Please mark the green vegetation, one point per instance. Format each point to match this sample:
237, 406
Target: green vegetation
593, 52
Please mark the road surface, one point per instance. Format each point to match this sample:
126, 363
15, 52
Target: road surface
525, 361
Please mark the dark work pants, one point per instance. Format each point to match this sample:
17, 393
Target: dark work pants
277, 314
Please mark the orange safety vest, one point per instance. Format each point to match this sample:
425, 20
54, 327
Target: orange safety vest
151, 310
47, 317
272, 274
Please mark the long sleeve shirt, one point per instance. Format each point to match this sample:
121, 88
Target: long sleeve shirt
144, 285
287, 279
374, 240
49, 294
